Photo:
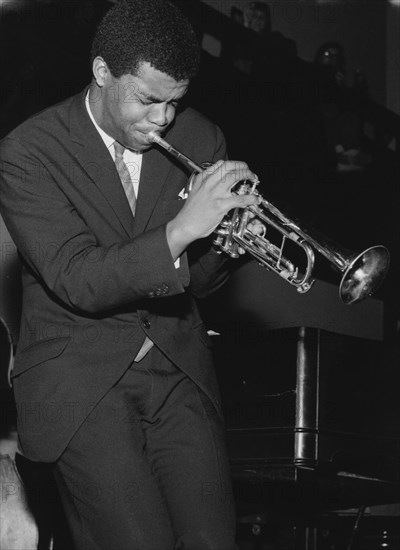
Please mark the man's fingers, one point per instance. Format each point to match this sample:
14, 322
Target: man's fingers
241, 201
208, 171
226, 174
257, 228
212, 168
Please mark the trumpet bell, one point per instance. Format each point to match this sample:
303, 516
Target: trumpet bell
364, 274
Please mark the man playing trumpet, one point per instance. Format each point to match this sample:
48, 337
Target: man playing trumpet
113, 375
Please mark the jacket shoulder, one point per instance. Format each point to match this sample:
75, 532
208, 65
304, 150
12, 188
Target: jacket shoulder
197, 136
41, 125
191, 119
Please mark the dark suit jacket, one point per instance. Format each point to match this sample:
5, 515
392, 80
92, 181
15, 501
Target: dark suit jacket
95, 280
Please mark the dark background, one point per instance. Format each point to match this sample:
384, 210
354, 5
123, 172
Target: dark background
273, 120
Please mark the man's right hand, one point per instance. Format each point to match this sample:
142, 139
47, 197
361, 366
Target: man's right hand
210, 199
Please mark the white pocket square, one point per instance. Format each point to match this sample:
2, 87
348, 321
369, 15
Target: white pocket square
183, 194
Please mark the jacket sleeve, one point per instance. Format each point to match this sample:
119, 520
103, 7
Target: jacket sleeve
209, 269
62, 251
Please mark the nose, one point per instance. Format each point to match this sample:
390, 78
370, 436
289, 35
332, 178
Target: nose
159, 114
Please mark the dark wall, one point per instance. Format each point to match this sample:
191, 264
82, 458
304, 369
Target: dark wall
360, 26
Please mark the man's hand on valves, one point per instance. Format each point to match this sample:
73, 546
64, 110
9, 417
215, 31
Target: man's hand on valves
209, 200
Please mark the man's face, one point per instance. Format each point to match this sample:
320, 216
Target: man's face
130, 107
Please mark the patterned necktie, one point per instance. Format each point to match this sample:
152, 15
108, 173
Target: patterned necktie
127, 184
124, 175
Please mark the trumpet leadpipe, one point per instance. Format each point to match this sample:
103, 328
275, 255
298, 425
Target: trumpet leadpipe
189, 163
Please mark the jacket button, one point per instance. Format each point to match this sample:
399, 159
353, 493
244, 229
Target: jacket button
146, 323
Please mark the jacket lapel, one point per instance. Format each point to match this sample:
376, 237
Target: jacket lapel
96, 161
156, 167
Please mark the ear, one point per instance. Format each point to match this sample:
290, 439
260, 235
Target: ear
101, 72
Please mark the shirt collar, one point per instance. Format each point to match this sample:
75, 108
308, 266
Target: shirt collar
108, 140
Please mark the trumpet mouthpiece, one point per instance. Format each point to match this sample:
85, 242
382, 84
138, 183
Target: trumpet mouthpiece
154, 138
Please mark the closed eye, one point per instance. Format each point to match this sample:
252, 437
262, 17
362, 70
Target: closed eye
174, 103
145, 101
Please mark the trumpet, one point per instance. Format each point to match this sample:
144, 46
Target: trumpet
362, 272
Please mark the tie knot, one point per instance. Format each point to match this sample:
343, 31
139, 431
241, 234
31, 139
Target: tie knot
119, 150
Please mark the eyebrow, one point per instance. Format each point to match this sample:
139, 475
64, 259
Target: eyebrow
151, 98
155, 99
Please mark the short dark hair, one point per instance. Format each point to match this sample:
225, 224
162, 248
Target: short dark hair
154, 31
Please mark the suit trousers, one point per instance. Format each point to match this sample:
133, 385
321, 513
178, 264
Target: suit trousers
148, 468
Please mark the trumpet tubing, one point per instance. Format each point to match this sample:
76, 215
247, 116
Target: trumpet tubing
362, 273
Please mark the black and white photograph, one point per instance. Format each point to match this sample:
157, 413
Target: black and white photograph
200, 274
